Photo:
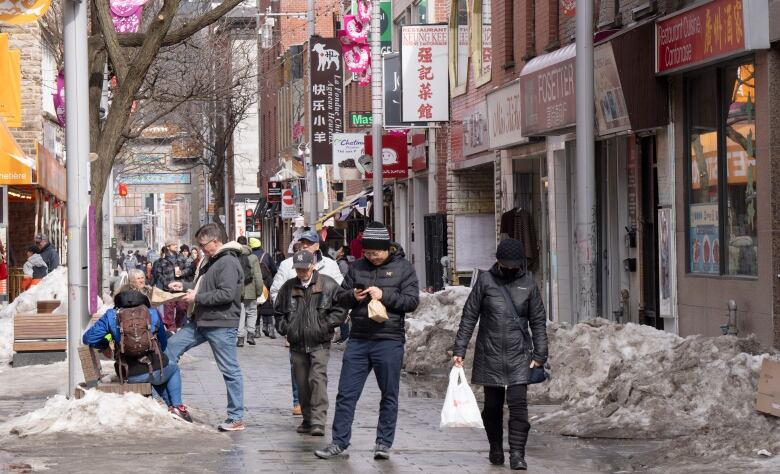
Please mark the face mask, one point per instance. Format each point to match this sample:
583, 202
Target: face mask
509, 272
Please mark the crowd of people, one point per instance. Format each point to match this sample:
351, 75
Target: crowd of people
218, 296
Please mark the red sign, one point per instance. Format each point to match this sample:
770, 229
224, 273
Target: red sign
569, 7
418, 153
699, 35
287, 197
395, 156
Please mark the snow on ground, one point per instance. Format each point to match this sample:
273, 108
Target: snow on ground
627, 381
98, 413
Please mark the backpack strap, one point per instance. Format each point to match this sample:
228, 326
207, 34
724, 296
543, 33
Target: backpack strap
510, 304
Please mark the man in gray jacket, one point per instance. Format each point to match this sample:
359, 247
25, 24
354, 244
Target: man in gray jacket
215, 301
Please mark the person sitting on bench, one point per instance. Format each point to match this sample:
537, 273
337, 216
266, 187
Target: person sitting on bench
133, 312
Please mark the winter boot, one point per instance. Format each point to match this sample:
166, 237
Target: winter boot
517, 461
496, 455
271, 332
240, 342
250, 339
265, 329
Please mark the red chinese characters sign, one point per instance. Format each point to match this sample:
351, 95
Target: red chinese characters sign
418, 153
702, 34
424, 73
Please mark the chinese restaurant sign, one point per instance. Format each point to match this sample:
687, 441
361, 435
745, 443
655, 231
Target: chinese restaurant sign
424, 73
708, 32
327, 97
417, 152
395, 156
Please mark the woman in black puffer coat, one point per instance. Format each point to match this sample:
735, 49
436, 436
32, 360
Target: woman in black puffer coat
505, 350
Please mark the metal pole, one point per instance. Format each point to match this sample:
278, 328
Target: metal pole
74, 16
376, 106
586, 168
226, 200
311, 169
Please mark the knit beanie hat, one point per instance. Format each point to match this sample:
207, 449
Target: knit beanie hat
511, 253
376, 237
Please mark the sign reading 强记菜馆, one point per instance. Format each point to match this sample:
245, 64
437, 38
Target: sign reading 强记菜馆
424, 73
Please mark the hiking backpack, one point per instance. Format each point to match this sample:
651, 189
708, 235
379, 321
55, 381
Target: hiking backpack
137, 339
247, 267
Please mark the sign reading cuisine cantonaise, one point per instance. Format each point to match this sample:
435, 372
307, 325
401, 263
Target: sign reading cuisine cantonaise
425, 73
709, 32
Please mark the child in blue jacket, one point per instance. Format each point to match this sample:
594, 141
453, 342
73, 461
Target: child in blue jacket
165, 380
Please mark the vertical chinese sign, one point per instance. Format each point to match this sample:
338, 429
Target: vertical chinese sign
424, 73
326, 97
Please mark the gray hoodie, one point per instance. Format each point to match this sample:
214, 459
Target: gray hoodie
218, 284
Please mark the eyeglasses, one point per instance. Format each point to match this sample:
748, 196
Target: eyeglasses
203, 245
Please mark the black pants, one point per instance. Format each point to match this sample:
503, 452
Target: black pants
493, 416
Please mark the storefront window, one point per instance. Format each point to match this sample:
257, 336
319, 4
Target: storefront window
721, 185
483, 42
459, 39
422, 11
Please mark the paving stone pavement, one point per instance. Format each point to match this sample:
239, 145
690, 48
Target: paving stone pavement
270, 443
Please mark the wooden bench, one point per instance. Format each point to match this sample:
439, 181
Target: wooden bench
40, 332
93, 373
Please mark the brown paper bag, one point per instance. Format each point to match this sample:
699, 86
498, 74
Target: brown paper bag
377, 311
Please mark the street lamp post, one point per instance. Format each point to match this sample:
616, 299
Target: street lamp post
376, 112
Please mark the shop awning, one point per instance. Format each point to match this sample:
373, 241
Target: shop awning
15, 167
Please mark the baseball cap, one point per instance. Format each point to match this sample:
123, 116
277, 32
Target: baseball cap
303, 259
310, 235
41, 237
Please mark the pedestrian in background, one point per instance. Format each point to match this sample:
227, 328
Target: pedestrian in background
506, 302
307, 310
386, 276
342, 258
48, 252
169, 270
268, 268
215, 296
34, 269
252, 292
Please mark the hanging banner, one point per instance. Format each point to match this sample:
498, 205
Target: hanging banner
348, 148
418, 153
395, 156
21, 12
424, 73
611, 111
391, 91
11, 78
326, 97
386, 26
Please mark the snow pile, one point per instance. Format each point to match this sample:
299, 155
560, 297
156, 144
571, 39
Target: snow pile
631, 381
98, 413
431, 329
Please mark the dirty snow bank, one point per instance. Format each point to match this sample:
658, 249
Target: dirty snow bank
430, 330
98, 413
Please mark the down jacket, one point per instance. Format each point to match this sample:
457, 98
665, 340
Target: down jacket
400, 295
308, 316
504, 347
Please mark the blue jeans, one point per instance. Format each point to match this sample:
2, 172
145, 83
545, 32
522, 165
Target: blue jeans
223, 346
344, 331
169, 388
385, 358
296, 400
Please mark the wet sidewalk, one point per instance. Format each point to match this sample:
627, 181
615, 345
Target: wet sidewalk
270, 443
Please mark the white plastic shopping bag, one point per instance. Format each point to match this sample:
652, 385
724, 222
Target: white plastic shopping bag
460, 406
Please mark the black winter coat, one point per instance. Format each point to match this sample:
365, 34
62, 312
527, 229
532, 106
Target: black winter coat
268, 269
504, 346
400, 295
308, 316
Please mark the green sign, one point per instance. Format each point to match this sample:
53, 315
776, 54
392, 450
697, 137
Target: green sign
113, 241
386, 26
360, 119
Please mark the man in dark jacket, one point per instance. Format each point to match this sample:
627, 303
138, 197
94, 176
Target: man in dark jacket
268, 270
307, 310
215, 298
385, 275
507, 303
48, 252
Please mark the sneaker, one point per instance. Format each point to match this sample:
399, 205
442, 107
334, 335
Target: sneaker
240, 342
332, 451
232, 425
296, 411
317, 430
381, 452
181, 412
250, 339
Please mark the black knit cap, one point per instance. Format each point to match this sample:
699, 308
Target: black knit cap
511, 253
376, 237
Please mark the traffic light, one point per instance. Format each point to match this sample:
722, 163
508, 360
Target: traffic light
122, 189
250, 220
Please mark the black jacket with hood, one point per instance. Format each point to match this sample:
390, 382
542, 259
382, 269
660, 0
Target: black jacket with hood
505, 346
218, 285
400, 295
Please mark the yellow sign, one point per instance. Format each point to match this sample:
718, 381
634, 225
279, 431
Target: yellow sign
11, 78
20, 12
15, 168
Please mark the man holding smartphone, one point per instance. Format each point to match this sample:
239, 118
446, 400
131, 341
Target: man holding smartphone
383, 274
